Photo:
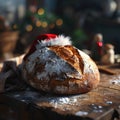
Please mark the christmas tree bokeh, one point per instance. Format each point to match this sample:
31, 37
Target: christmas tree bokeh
38, 20
35, 22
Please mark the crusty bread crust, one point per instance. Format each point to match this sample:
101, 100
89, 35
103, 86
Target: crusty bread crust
61, 70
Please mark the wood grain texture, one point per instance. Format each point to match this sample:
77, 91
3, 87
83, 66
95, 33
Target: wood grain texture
102, 103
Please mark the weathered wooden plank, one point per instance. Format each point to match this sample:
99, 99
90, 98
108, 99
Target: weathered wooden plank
102, 103
111, 81
96, 105
92, 105
12, 109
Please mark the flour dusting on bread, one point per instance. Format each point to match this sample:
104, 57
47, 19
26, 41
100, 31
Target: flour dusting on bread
53, 65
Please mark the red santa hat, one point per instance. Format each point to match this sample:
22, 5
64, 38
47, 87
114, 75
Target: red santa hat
48, 40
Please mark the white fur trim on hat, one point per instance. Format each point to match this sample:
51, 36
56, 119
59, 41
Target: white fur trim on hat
59, 40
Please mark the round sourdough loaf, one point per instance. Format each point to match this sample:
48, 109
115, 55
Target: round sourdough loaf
60, 69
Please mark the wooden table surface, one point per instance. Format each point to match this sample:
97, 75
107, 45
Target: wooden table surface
102, 103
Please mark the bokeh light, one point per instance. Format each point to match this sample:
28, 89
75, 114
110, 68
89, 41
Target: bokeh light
29, 28
59, 22
38, 23
44, 24
41, 11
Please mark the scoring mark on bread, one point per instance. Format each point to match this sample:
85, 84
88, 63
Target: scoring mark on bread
48, 63
71, 55
61, 69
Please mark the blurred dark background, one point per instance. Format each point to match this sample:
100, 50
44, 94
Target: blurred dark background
22, 20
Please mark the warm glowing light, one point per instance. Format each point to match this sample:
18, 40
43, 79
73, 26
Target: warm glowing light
29, 28
113, 6
38, 23
41, 11
52, 25
59, 22
44, 24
